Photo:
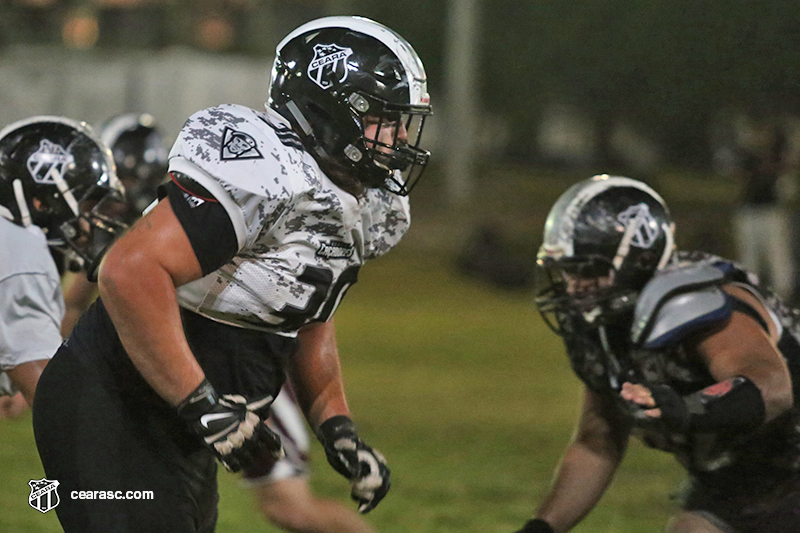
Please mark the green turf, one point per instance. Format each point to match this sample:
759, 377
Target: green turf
465, 391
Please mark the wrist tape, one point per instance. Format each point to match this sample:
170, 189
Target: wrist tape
735, 403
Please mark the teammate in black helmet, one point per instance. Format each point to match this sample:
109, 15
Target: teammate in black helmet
229, 284
140, 153
55, 178
682, 349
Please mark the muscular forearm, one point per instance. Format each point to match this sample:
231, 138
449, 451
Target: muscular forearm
582, 477
147, 319
25, 377
316, 374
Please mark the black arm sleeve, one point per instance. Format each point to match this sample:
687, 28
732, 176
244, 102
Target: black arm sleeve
204, 220
746, 308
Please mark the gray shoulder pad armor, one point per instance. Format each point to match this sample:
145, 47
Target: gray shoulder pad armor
678, 302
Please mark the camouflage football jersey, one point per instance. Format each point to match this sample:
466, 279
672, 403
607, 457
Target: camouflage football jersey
301, 239
604, 360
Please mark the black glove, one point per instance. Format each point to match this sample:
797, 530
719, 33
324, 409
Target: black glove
536, 525
364, 467
231, 427
735, 404
674, 412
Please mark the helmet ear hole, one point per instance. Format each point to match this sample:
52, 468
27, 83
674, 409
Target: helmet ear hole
647, 260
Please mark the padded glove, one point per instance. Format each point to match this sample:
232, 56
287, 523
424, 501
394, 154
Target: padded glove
232, 428
364, 467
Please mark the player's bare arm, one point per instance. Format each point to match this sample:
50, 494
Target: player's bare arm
587, 466
316, 372
79, 292
25, 376
741, 348
744, 348
137, 282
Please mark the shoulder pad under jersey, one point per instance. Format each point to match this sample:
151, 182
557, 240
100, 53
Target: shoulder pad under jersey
248, 149
677, 302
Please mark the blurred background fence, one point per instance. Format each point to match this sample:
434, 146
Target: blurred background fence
528, 96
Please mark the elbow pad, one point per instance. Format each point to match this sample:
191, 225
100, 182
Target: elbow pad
735, 403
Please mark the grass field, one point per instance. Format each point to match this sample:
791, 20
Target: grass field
465, 391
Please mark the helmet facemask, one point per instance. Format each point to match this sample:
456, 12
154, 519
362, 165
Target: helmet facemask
391, 140
587, 289
84, 238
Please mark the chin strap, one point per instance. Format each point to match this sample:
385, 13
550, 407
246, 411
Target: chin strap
299, 118
63, 188
625, 244
305, 126
19, 194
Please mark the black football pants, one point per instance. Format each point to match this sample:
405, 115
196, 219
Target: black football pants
110, 451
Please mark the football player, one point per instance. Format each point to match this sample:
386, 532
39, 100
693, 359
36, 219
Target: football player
56, 178
229, 284
682, 349
281, 486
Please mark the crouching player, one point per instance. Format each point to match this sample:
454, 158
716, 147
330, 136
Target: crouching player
682, 349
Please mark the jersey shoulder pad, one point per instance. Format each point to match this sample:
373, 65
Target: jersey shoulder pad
677, 302
241, 147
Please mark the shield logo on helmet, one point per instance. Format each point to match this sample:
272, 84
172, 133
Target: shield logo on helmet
44, 495
645, 230
48, 163
329, 60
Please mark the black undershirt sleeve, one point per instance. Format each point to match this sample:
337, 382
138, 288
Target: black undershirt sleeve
746, 308
204, 220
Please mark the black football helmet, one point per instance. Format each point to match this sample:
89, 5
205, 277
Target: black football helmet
332, 76
611, 229
56, 174
140, 154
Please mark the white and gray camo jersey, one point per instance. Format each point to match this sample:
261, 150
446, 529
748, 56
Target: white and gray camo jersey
300, 238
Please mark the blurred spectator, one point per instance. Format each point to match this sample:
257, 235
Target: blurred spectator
761, 223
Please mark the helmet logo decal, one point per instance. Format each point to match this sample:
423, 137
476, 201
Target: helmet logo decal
48, 163
328, 58
645, 230
238, 145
